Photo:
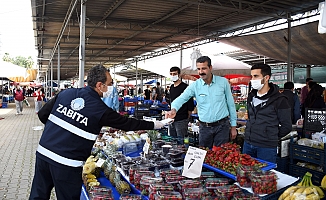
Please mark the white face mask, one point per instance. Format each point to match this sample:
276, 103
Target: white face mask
256, 84
174, 78
108, 92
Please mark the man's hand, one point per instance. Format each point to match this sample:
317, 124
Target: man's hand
233, 132
158, 125
170, 114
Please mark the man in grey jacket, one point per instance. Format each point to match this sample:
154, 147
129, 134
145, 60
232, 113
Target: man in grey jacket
269, 116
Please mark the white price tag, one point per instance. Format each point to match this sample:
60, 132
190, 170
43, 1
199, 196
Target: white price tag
146, 147
149, 119
100, 162
193, 162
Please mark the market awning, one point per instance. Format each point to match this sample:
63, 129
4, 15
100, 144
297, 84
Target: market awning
31, 75
307, 47
8, 69
223, 65
150, 82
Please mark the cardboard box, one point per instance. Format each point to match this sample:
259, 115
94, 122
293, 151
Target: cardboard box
283, 145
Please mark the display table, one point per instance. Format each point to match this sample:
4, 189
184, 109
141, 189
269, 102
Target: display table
283, 182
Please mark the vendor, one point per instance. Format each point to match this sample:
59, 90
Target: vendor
214, 104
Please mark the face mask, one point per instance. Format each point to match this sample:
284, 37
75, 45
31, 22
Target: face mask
108, 92
174, 78
256, 84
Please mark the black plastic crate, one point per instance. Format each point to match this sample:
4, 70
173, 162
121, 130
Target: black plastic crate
298, 171
315, 120
283, 164
308, 154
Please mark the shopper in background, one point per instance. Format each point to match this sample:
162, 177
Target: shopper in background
179, 128
113, 98
269, 116
147, 93
73, 119
167, 94
159, 92
293, 101
19, 96
38, 98
314, 98
304, 91
153, 94
214, 104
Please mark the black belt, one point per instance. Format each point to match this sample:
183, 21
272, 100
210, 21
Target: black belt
214, 123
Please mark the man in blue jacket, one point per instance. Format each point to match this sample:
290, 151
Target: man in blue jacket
73, 119
269, 116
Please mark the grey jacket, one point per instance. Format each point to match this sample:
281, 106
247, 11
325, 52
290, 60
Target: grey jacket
268, 121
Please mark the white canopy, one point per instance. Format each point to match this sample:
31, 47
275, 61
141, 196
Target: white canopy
8, 69
223, 65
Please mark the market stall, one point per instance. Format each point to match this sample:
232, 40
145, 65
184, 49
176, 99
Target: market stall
160, 173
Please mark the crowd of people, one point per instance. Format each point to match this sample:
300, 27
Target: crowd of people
271, 113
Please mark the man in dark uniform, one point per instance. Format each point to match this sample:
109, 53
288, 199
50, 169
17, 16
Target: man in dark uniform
73, 119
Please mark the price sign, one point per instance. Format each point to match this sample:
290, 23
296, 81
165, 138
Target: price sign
146, 147
193, 162
100, 162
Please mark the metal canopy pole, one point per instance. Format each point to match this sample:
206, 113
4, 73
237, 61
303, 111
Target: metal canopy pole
82, 43
308, 71
290, 66
58, 67
136, 92
181, 56
46, 82
51, 91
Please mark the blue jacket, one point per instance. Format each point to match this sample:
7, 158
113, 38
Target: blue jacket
73, 119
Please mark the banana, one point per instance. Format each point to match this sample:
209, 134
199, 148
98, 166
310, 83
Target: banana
288, 197
319, 191
297, 193
323, 183
312, 197
302, 182
91, 176
300, 190
309, 190
91, 180
88, 168
91, 184
288, 192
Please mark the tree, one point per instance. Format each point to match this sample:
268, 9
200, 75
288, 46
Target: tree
19, 60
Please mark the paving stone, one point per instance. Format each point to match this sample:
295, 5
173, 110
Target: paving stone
17, 153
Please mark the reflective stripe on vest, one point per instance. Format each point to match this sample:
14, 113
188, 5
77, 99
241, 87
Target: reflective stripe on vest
72, 128
58, 158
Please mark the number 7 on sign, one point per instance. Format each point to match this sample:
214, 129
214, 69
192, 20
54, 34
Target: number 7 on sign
192, 161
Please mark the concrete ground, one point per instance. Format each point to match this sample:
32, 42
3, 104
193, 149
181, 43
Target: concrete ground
18, 142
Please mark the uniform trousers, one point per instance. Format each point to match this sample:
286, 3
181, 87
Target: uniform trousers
66, 180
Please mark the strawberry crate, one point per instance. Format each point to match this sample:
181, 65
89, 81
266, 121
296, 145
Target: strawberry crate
298, 171
308, 154
278, 193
